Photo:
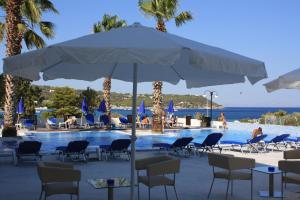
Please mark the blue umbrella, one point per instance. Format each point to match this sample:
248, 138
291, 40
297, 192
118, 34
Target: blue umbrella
84, 106
141, 109
20, 108
171, 107
102, 106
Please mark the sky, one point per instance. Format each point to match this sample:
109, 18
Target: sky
264, 30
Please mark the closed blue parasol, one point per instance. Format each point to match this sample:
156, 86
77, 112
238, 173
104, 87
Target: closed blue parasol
84, 106
20, 108
141, 109
102, 106
171, 107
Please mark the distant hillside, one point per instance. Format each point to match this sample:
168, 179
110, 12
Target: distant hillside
124, 99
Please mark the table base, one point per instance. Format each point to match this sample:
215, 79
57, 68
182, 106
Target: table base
276, 194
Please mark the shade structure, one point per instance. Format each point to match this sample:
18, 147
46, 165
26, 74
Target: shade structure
141, 109
137, 54
290, 80
102, 106
171, 107
84, 106
20, 108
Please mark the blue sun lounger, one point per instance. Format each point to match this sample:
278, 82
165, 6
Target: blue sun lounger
210, 143
252, 144
179, 145
277, 141
119, 146
75, 148
124, 122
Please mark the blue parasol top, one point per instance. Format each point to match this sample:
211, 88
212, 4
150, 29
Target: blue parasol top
102, 106
171, 107
84, 106
20, 108
141, 109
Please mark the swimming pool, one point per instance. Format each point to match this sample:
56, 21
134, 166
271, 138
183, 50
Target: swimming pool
145, 139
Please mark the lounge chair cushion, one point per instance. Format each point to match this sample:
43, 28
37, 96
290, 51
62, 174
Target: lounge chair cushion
155, 180
232, 142
61, 188
162, 145
235, 175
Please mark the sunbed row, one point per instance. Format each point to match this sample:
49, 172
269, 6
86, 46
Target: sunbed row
185, 145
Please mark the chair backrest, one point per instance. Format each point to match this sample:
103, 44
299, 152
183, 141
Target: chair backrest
219, 160
120, 144
77, 146
212, 139
90, 120
141, 164
182, 142
171, 166
123, 120
104, 119
52, 121
28, 122
280, 138
29, 147
257, 139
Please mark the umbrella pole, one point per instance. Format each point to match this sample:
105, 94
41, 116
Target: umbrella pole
133, 130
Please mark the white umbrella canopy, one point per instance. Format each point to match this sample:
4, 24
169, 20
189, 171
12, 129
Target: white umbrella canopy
156, 53
137, 54
290, 80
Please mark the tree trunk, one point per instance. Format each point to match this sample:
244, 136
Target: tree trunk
106, 97
157, 85
13, 47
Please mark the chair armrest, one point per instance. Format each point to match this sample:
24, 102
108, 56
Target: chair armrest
58, 165
241, 163
50, 174
164, 167
292, 154
142, 164
292, 166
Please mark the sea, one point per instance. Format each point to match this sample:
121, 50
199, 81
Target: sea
231, 113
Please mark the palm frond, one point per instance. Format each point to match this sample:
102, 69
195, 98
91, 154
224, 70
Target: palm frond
47, 5
147, 7
31, 11
22, 27
183, 17
168, 8
3, 4
97, 27
32, 39
47, 28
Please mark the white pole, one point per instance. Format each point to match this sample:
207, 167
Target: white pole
133, 129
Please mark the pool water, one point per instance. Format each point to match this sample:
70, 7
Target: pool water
53, 139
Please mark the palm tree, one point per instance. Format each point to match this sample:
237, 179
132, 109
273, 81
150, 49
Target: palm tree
163, 11
106, 24
22, 17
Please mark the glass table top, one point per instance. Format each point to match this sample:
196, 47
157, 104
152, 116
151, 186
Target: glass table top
101, 183
265, 169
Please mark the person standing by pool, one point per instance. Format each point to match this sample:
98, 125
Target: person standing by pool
222, 118
257, 132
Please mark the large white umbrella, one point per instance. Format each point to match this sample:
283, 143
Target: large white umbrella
137, 54
290, 80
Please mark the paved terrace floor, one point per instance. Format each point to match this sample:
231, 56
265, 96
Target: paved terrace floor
193, 182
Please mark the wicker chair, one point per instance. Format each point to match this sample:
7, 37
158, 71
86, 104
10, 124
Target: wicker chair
58, 178
289, 167
232, 167
157, 169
